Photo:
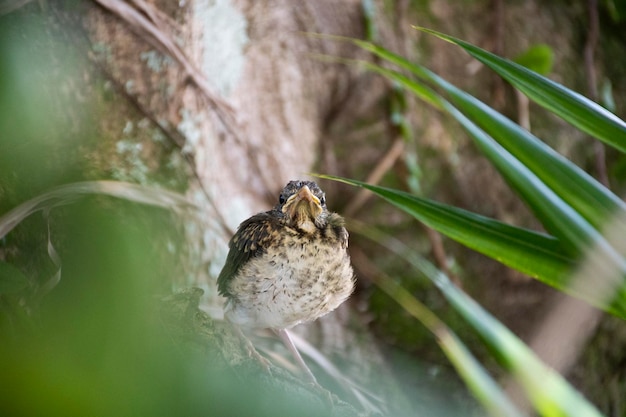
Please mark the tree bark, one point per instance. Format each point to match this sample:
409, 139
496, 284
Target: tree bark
240, 87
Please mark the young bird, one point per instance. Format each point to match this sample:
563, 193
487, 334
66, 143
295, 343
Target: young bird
288, 265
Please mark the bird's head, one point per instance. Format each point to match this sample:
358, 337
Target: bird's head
304, 205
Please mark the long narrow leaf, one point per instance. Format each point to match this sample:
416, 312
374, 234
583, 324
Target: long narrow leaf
485, 389
556, 215
570, 227
575, 233
573, 185
580, 190
549, 393
532, 253
536, 254
576, 109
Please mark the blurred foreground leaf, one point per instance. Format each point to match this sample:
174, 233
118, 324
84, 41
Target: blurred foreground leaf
476, 377
71, 192
12, 280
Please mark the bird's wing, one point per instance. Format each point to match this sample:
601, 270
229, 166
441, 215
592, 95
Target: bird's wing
251, 239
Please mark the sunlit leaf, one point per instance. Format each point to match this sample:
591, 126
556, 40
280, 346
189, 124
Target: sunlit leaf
485, 389
576, 109
577, 188
532, 253
548, 391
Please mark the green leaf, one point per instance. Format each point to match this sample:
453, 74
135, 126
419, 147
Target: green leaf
12, 280
576, 109
485, 389
536, 254
577, 188
616, 9
575, 233
563, 205
573, 185
538, 58
549, 393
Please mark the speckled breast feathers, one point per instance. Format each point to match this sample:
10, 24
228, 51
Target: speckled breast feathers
288, 265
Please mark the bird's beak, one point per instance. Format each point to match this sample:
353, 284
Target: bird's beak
303, 203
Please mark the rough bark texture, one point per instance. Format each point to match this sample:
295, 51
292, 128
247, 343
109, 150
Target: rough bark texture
276, 96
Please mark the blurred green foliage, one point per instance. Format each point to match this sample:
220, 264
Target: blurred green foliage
97, 344
44, 120
102, 341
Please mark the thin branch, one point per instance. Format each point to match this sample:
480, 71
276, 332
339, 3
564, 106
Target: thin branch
160, 19
439, 253
384, 165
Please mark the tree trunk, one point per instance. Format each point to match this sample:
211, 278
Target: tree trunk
244, 91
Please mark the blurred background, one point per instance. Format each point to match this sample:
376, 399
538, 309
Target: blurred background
224, 101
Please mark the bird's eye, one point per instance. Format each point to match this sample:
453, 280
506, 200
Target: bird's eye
281, 199
323, 201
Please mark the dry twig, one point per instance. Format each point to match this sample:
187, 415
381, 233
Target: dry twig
385, 163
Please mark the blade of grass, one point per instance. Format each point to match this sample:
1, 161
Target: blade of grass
482, 385
576, 109
580, 190
548, 391
535, 254
574, 232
